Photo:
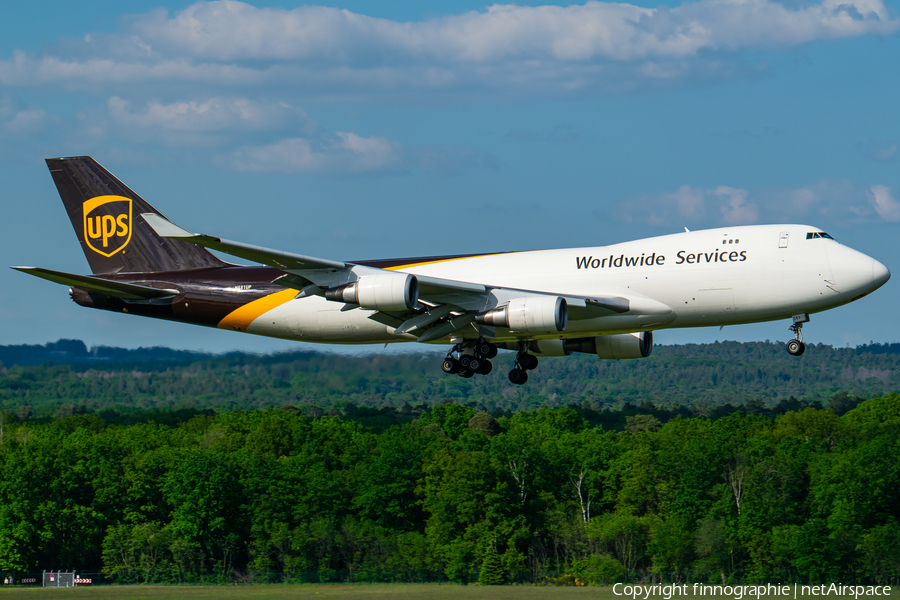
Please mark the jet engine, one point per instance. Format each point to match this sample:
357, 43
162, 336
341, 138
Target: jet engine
624, 345
532, 314
383, 291
549, 348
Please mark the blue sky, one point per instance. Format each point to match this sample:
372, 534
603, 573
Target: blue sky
371, 130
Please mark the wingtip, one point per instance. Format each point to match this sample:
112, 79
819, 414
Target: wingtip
164, 227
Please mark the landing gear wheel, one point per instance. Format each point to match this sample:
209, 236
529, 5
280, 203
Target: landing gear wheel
529, 362
464, 360
450, 365
518, 376
485, 367
485, 350
795, 347
465, 372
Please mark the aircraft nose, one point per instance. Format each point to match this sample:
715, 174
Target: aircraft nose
880, 273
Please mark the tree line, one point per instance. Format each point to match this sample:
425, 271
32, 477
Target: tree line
73, 379
456, 493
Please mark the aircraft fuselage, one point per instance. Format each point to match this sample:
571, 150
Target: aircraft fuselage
703, 278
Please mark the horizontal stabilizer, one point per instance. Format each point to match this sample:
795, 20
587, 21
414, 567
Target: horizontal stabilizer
274, 258
106, 287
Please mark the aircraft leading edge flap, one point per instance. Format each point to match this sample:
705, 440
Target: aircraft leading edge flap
117, 289
274, 258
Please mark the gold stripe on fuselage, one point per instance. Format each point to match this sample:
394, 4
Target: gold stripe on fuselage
240, 318
443, 260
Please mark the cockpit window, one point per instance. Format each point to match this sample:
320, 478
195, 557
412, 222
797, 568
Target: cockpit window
818, 234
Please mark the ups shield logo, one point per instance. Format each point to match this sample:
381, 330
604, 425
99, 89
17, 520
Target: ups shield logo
107, 224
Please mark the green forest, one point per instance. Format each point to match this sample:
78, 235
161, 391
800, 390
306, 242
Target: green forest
714, 463
457, 494
65, 378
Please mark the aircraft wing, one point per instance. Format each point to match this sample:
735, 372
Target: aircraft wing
445, 305
274, 258
294, 263
117, 289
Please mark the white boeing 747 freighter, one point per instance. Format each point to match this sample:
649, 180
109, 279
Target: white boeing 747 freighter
604, 300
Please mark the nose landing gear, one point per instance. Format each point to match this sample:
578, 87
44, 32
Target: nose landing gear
796, 347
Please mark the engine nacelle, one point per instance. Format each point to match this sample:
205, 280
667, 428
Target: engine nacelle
549, 348
540, 347
384, 291
532, 314
624, 345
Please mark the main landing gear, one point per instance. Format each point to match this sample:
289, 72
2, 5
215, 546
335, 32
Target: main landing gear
796, 347
524, 362
473, 358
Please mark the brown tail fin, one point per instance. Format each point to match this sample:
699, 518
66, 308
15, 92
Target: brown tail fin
106, 216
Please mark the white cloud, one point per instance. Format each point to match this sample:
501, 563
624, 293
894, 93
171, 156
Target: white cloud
26, 121
230, 30
24, 69
541, 49
736, 211
687, 205
884, 204
213, 114
688, 202
17, 120
824, 202
347, 153
342, 153
879, 151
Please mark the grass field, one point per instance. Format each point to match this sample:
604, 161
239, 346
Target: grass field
331, 592
341, 592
